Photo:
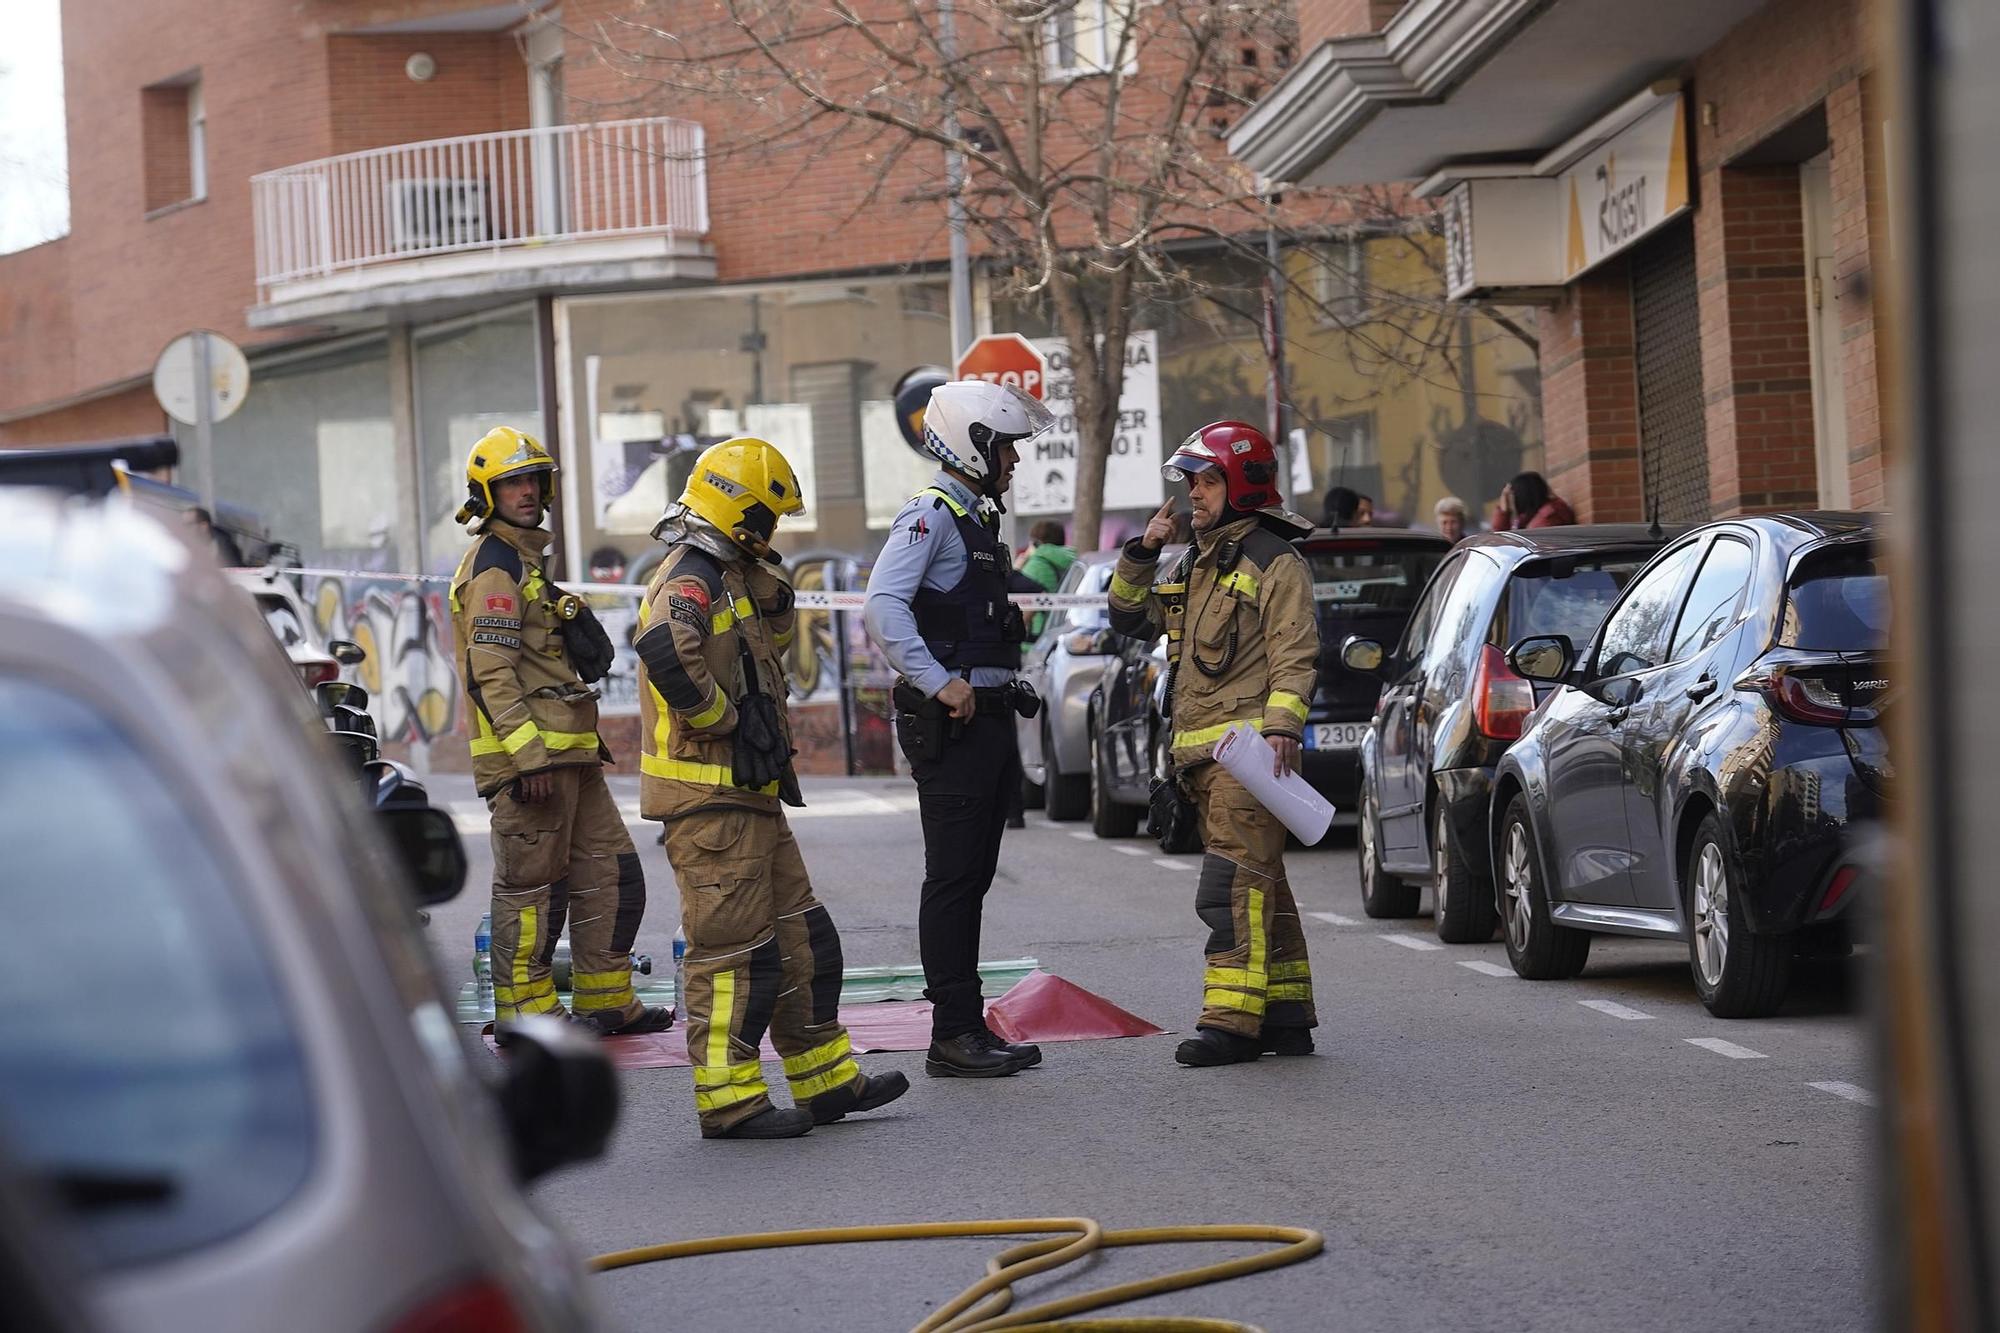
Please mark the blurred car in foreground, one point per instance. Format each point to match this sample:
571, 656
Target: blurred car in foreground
1695, 774
228, 1055
1450, 707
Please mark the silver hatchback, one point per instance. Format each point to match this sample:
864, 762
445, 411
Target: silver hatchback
228, 1058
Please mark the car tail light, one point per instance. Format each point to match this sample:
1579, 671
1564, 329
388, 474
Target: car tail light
476, 1307
1804, 696
316, 674
1501, 700
1837, 888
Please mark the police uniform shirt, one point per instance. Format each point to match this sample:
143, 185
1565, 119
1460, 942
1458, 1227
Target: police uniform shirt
923, 551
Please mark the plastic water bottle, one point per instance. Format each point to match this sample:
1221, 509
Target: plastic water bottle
482, 962
680, 969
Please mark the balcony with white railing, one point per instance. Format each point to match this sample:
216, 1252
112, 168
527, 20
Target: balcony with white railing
449, 217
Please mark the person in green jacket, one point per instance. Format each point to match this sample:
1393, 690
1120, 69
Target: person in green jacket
1046, 562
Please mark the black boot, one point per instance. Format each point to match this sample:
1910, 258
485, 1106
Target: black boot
968, 1056
771, 1124
1023, 1054
1287, 1041
875, 1090
1213, 1046
653, 1018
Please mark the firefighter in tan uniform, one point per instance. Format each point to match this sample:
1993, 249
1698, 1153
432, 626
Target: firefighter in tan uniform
762, 952
1243, 644
560, 846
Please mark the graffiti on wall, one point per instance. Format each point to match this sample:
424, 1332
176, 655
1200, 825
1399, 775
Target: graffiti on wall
413, 691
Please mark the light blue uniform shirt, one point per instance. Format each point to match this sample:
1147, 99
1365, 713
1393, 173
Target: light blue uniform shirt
923, 551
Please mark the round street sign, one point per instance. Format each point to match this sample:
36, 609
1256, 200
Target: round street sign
1005, 358
913, 395
177, 381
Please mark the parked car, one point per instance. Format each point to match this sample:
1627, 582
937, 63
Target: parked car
1064, 664
229, 1056
1695, 772
1366, 582
291, 624
1128, 737
1450, 707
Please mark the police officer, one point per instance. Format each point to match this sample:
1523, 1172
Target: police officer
1242, 645
761, 949
938, 608
527, 651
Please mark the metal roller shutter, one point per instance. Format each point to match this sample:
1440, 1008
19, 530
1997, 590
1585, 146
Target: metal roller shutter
1666, 334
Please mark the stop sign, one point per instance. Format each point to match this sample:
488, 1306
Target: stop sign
1005, 358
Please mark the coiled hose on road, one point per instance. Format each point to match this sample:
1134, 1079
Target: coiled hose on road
984, 1305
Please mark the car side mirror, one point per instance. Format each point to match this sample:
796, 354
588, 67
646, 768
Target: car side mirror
1362, 655
1545, 657
347, 652
559, 1098
428, 845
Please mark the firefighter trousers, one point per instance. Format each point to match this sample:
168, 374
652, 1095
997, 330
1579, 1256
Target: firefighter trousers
568, 856
762, 954
1256, 972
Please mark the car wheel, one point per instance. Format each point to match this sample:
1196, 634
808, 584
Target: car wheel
1464, 900
1382, 895
1539, 949
1066, 796
1031, 794
1737, 973
1108, 819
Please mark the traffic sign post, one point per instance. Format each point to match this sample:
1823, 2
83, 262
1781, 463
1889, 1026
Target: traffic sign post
1006, 358
199, 379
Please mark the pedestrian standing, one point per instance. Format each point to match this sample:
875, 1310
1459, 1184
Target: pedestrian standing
1243, 647
560, 847
1451, 516
1047, 560
938, 609
762, 951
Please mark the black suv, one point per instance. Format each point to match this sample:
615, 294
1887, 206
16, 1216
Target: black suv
1450, 707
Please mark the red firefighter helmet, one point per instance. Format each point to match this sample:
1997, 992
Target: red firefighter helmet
1249, 464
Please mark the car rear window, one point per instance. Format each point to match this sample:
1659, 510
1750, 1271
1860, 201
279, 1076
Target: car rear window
1837, 601
152, 1074
1384, 577
1539, 602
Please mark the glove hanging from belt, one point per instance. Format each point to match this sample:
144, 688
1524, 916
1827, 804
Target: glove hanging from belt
589, 647
761, 756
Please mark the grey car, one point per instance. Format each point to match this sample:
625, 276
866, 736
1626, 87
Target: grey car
228, 1055
1064, 664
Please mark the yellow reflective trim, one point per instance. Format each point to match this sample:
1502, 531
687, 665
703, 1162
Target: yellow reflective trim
602, 990
716, 1089
1230, 976
1123, 590
1290, 990
945, 496
519, 738
485, 745
569, 740
712, 713
1241, 581
1289, 702
531, 587
703, 775
1208, 735
1170, 589
743, 1074
842, 1074
819, 1055
522, 994
1290, 970
1233, 999
721, 1012
740, 609
1258, 945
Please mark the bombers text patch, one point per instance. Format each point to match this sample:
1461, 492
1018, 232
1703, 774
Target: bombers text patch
497, 622
688, 612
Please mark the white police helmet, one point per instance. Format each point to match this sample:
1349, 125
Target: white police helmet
968, 423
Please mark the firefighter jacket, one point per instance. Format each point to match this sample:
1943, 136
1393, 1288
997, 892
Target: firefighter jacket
1242, 639
699, 617
529, 709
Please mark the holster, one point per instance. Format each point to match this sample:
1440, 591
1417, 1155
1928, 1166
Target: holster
924, 727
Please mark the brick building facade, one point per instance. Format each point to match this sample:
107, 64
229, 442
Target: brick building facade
1720, 359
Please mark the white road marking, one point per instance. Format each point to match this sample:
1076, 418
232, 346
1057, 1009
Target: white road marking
1334, 918
1171, 864
1484, 968
1417, 942
1084, 834
1846, 1091
1728, 1048
1617, 1010
1131, 851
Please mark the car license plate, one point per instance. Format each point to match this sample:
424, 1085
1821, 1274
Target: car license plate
1335, 735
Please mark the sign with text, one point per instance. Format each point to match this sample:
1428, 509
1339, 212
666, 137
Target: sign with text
1627, 188
1045, 482
1005, 358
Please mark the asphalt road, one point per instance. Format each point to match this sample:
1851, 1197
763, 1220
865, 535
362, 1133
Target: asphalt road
1481, 1152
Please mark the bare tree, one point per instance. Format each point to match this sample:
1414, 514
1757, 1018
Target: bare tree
1090, 129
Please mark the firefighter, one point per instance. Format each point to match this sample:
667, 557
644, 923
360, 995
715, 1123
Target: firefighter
938, 608
762, 952
1242, 646
527, 652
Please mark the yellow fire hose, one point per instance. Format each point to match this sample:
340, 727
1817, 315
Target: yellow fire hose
983, 1306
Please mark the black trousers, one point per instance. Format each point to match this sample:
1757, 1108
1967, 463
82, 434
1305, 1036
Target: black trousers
963, 799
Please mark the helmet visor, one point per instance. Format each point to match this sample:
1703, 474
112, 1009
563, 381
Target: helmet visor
1187, 460
1038, 419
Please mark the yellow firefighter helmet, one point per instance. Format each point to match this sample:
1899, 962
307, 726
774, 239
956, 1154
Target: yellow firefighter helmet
743, 487
503, 452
